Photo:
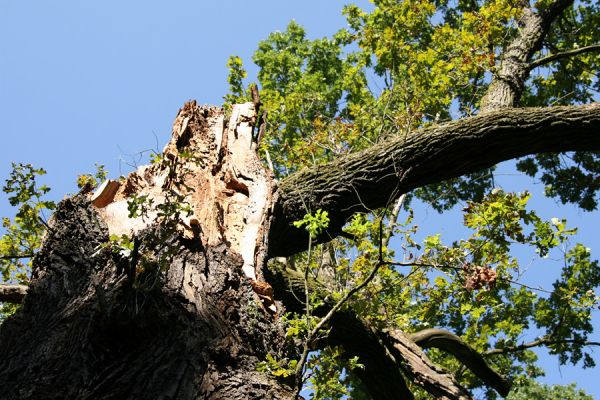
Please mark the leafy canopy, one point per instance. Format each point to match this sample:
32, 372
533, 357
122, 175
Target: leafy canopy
396, 68
401, 66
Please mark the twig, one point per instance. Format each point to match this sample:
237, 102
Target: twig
565, 54
392, 221
543, 341
16, 256
330, 314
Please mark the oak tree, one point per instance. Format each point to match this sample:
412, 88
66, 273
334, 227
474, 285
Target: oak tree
271, 244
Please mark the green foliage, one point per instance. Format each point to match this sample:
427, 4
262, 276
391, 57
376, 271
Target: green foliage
139, 205
145, 260
314, 224
156, 158
573, 177
470, 287
23, 234
327, 378
237, 73
402, 66
532, 390
425, 58
121, 245
567, 311
476, 296
568, 80
277, 368
92, 180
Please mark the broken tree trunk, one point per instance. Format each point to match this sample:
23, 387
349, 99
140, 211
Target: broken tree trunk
169, 304
172, 302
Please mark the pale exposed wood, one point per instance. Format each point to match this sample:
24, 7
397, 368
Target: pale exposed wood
215, 167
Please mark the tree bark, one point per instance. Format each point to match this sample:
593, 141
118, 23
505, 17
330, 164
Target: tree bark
12, 293
508, 83
373, 178
450, 343
174, 316
182, 309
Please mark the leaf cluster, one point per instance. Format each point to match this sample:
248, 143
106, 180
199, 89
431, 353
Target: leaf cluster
23, 234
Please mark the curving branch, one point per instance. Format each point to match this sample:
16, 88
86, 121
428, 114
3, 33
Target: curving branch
566, 54
543, 341
387, 356
366, 180
469, 357
13, 293
417, 366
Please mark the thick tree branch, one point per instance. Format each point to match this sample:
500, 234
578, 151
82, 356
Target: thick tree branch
12, 293
543, 341
470, 358
388, 356
417, 366
385, 355
553, 57
364, 181
508, 82
381, 374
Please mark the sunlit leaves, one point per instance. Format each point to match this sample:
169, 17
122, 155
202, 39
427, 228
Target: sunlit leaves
235, 79
402, 66
531, 390
567, 312
23, 234
277, 368
92, 181
326, 378
315, 223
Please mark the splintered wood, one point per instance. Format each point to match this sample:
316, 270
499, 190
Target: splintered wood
215, 166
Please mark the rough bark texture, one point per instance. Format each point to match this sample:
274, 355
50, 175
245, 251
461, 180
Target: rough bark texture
388, 357
98, 324
421, 370
12, 293
508, 83
185, 313
370, 179
450, 343
381, 374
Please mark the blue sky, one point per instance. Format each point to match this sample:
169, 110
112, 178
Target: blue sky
84, 82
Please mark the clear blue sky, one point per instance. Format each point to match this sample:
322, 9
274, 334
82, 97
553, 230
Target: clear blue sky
84, 82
